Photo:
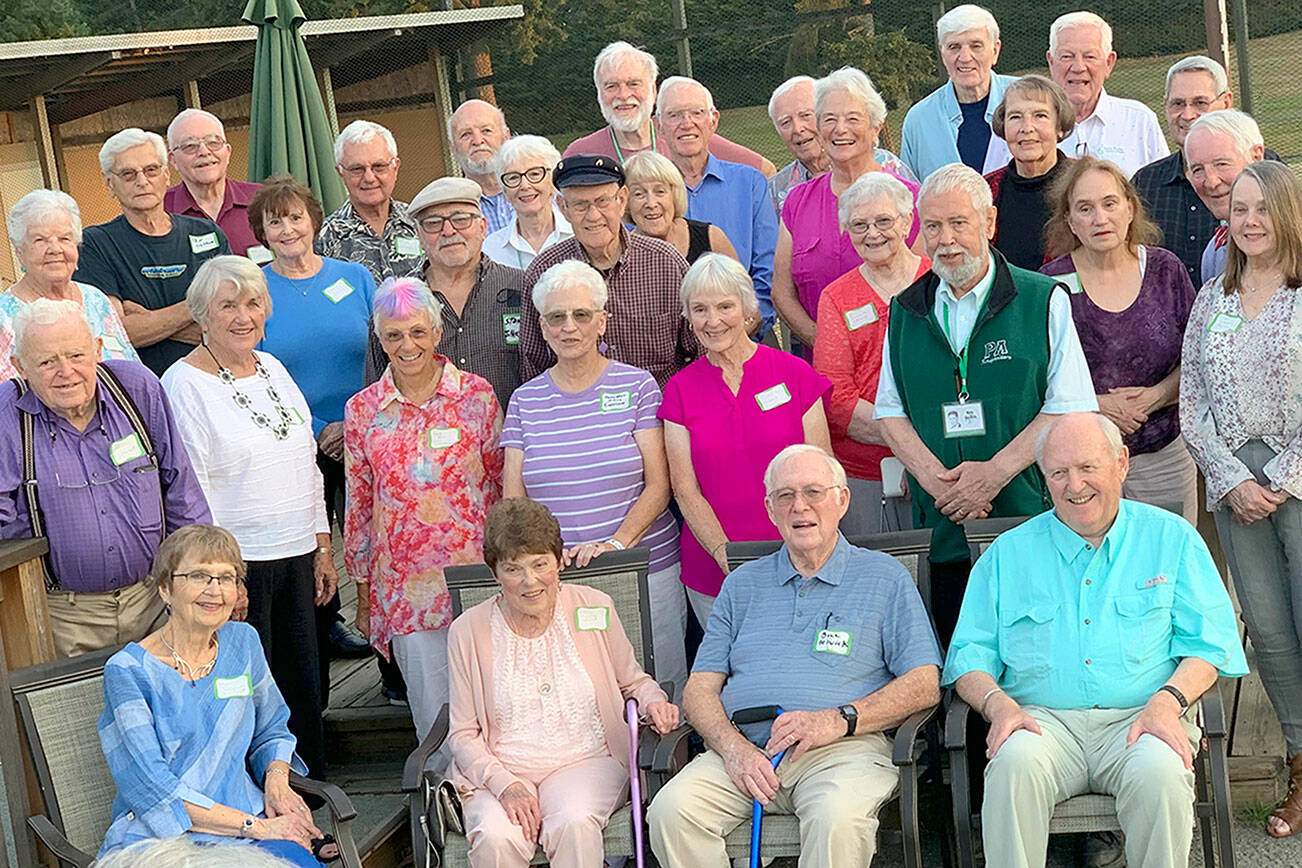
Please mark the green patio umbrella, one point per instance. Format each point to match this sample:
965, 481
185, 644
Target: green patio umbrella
288, 129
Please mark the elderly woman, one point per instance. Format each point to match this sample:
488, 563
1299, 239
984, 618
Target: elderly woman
194, 729
875, 211
1130, 302
45, 229
1241, 413
423, 467
524, 169
541, 766
812, 249
726, 415
246, 427
612, 491
1033, 117
657, 205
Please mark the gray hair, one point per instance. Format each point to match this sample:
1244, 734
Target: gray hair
859, 86
185, 115
780, 91
39, 206
674, 81
869, 186
181, 852
43, 312
1080, 19
1109, 428
126, 139
1240, 127
771, 472
720, 274
515, 148
402, 297
501, 117
958, 178
360, 132
1199, 63
570, 273
239, 270
617, 51
966, 17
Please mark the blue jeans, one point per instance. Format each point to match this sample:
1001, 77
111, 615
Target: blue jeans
1265, 558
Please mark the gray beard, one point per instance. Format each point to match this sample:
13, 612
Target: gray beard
475, 167
643, 115
971, 267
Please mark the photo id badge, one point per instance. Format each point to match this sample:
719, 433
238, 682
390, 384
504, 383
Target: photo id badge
963, 420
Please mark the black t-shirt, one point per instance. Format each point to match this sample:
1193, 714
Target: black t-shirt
152, 271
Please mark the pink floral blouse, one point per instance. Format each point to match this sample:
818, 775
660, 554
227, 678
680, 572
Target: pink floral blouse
420, 480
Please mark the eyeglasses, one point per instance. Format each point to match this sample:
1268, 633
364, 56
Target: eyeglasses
128, 176
200, 579
580, 208
881, 224
699, 113
419, 333
581, 316
460, 220
1202, 106
193, 146
356, 173
533, 176
813, 494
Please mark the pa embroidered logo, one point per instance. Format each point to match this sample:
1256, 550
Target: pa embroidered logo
996, 351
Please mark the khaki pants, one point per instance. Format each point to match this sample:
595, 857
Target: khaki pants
87, 622
1165, 478
835, 791
1084, 751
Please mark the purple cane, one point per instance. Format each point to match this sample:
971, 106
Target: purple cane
635, 781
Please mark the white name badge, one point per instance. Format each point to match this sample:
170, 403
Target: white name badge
964, 420
203, 243
233, 688
511, 328
861, 316
112, 344
616, 402
338, 291
1225, 322
832, 642
592, 618
406, 246
442, 438
127, 449
259, 254
772, 397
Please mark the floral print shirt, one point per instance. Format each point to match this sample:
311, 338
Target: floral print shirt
104, 324
420, 481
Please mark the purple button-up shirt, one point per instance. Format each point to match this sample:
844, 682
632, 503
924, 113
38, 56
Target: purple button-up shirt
233, 217
102, 518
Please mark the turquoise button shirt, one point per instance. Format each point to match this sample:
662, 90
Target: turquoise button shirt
1062, 625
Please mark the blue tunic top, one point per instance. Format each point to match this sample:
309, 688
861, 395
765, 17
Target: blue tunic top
168, 742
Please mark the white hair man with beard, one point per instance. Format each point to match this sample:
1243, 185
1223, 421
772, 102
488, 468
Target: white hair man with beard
979, 356
477, 130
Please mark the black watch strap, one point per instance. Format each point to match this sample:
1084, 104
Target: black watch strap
851, 715
1179, 697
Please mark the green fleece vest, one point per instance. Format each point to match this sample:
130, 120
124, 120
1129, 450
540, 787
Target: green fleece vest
1008, 371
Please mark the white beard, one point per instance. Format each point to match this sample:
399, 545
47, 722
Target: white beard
970, 268
627, 126
475, 167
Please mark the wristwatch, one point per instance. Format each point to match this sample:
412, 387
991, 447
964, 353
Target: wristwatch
246, 828
851, 715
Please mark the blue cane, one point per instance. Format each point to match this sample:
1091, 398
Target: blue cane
741, 717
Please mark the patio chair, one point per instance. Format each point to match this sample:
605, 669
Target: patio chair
59, 704
623, 576
1095, 812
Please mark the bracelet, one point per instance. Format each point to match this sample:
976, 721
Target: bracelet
278, 770
246, 828
1179, 697
985, 700
619, 546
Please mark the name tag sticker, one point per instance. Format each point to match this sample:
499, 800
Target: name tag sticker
233, 688
406, 246
592, 618
259, 254
112, 344
964, 420
833, 642
338, 291
511, 328
861, 316
442, 438
203, 243
774, 396
127, 449
615, 402
1225, 322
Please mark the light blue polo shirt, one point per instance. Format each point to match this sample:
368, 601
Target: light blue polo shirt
1062, 625
929, 138
763, 632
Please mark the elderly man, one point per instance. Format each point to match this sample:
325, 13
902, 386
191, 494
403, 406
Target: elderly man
372, 227
952, 123
111, 476
1194, 86
978, 357
197, 148
476, 131
480, 297
837, 637
646, 328
1086, 674
732, 196
1124, 131
626, 91
146, 257
1219, 144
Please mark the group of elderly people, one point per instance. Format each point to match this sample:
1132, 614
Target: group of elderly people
552, 358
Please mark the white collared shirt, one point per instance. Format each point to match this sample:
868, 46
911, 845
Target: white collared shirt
507, 246
1124, 131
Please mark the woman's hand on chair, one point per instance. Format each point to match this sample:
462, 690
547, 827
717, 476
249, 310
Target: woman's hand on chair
663, 716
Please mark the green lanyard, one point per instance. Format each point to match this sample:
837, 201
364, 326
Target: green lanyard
619, 155
962, 356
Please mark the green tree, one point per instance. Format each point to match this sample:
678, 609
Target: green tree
898, 66
22, 20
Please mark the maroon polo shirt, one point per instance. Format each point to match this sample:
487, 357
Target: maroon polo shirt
233, 217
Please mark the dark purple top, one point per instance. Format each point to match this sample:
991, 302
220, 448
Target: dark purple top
1140, 345
101, 517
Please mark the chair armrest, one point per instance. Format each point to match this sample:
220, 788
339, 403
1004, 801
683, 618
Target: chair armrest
907, 734
667, 745
415, 764
57, 844
341, 807
956, 723
1213, 710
